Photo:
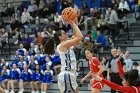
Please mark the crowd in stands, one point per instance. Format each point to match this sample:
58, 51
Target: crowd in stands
35, 24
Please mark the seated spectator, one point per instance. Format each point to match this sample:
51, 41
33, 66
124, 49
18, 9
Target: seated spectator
3, 38
21, 49
123, 8
26, 57
4, 63
114, 4
24, 78
100, 42
136, 66
44, 32
10, 10
57, 17
5, 74
50, 32
21, 63
14, 75
36, 80
61, 26
93, 33
47, 79
128, 62
102, 23
25, 18
32, 49
31, 8
17, 56
26, 41
32, 63
48, 62
39, 39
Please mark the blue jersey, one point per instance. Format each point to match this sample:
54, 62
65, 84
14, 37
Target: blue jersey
6, 74
14, 74
17, 58
25, 75
31, 52
20, 65
38, 76
48, 76
32, 65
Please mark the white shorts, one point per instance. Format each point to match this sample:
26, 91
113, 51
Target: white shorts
67, 81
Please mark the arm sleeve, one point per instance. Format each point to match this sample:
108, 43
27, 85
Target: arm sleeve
121, 72
128, 89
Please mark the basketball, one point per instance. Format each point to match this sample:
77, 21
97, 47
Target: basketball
69, 13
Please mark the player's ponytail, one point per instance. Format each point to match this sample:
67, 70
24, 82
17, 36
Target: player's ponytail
52, 42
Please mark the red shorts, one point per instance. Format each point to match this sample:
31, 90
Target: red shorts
97, 85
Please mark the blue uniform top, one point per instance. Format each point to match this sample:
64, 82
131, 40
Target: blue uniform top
47, 76
14, 74
25, 75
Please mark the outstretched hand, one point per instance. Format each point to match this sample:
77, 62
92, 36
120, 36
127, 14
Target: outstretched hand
120, 56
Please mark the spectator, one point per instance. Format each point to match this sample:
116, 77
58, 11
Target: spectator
136, 66
124, 7
61, 26
24, 78
105, 63
47, 79
114, 4
100, 42
26, 41
57, 17
5, 74
78, 49
113, 73
14, 75
128, 62
32, 63
51, 32
3, 38
39, 39
32, 49
9, 10
102, 23
25, 18
17, 56
21, 49
31, 8
112, 23
4, 63
93, 33
21, 63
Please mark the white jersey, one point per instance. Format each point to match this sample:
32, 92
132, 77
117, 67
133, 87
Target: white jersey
68, 59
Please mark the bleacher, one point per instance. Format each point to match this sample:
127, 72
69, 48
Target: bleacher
127, 41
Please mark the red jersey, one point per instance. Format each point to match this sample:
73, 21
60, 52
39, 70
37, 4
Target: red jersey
94, 66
